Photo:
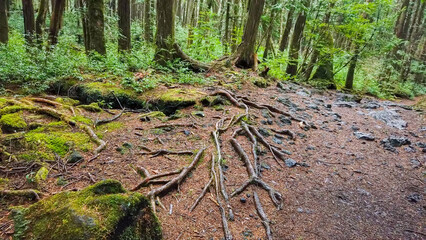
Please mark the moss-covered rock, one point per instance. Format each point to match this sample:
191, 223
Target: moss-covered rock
261, 82
41, 175
146, 117
102, 211
12, 122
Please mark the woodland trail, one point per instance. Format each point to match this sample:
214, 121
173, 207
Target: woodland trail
334, 166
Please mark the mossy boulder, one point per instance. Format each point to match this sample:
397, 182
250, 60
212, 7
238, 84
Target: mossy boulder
41, 175
12, 122
102, 211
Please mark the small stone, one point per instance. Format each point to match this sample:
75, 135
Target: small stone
248, 195
284, 120
187, 132
277, 141
127, 145
290, 162
310, 147
264, 132
396, 141
364, 136
414, 197
75, 157
243, 200
265, 166
355, 128
313, 106
199, 114
269, 121
300, 210
415, 163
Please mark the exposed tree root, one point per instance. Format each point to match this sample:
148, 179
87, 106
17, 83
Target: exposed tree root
276, 197
289, 133
262, 215
166, 152
23, 195
178, 179
104, 121
148, 178
206, 187
195, 65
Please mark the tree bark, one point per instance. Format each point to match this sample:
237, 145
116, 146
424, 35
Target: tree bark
29, 22
351, 71
124, 25
41, 19
56, 21
95, 20
148, 24
287, 30
245, 51
295, 42
165, 37
4, 28
269, 43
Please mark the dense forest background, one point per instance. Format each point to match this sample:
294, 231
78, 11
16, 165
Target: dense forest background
375, 47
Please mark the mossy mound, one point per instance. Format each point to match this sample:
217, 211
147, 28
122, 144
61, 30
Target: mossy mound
13, 122
102, 211
108, 91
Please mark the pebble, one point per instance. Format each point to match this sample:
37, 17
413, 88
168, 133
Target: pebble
277, 141
186, 132
290, 162
364, 136
414, 197
243, 200
264, 132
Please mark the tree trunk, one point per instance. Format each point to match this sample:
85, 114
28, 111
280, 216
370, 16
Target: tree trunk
165, 37
124, 25
148, 26
56, 21
269, 31
295, 43
351, 71
235, 24
226, 39
85, 23
4, 28
245, 51
95, 17
287, 30
41, 19
29, 22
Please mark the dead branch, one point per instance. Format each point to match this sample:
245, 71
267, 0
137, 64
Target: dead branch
148, 178
177, 180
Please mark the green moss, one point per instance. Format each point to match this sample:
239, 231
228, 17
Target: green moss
82, 119
155, 114
102, 211
58, 142
3, 182
67, 101
261, 82
3, 102
93, 107
13, 121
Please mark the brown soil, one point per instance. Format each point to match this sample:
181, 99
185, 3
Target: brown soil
346, 188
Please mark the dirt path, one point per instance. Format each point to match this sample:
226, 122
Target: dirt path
340, 181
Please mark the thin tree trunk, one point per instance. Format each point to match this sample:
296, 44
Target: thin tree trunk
148, 26
295, 43
245, 53
351, 71
226, 39
41, 19
4, 28
29, 22
269, 31
95, 20
287, 30
56, 21
165, 36
124, 25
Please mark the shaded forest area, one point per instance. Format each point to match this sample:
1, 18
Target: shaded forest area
212, 119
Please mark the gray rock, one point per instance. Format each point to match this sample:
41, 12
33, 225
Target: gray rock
243, 200
392, 142
313, 106
264, 132
345, 104
277, 141
364, 136
390, 117
414, 197
75, 157
285, 120
415, 163
199, 114
290, 162
371, 105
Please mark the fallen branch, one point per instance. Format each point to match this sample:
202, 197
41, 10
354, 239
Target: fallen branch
104, 121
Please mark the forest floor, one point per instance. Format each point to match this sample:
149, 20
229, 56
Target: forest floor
356, 172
